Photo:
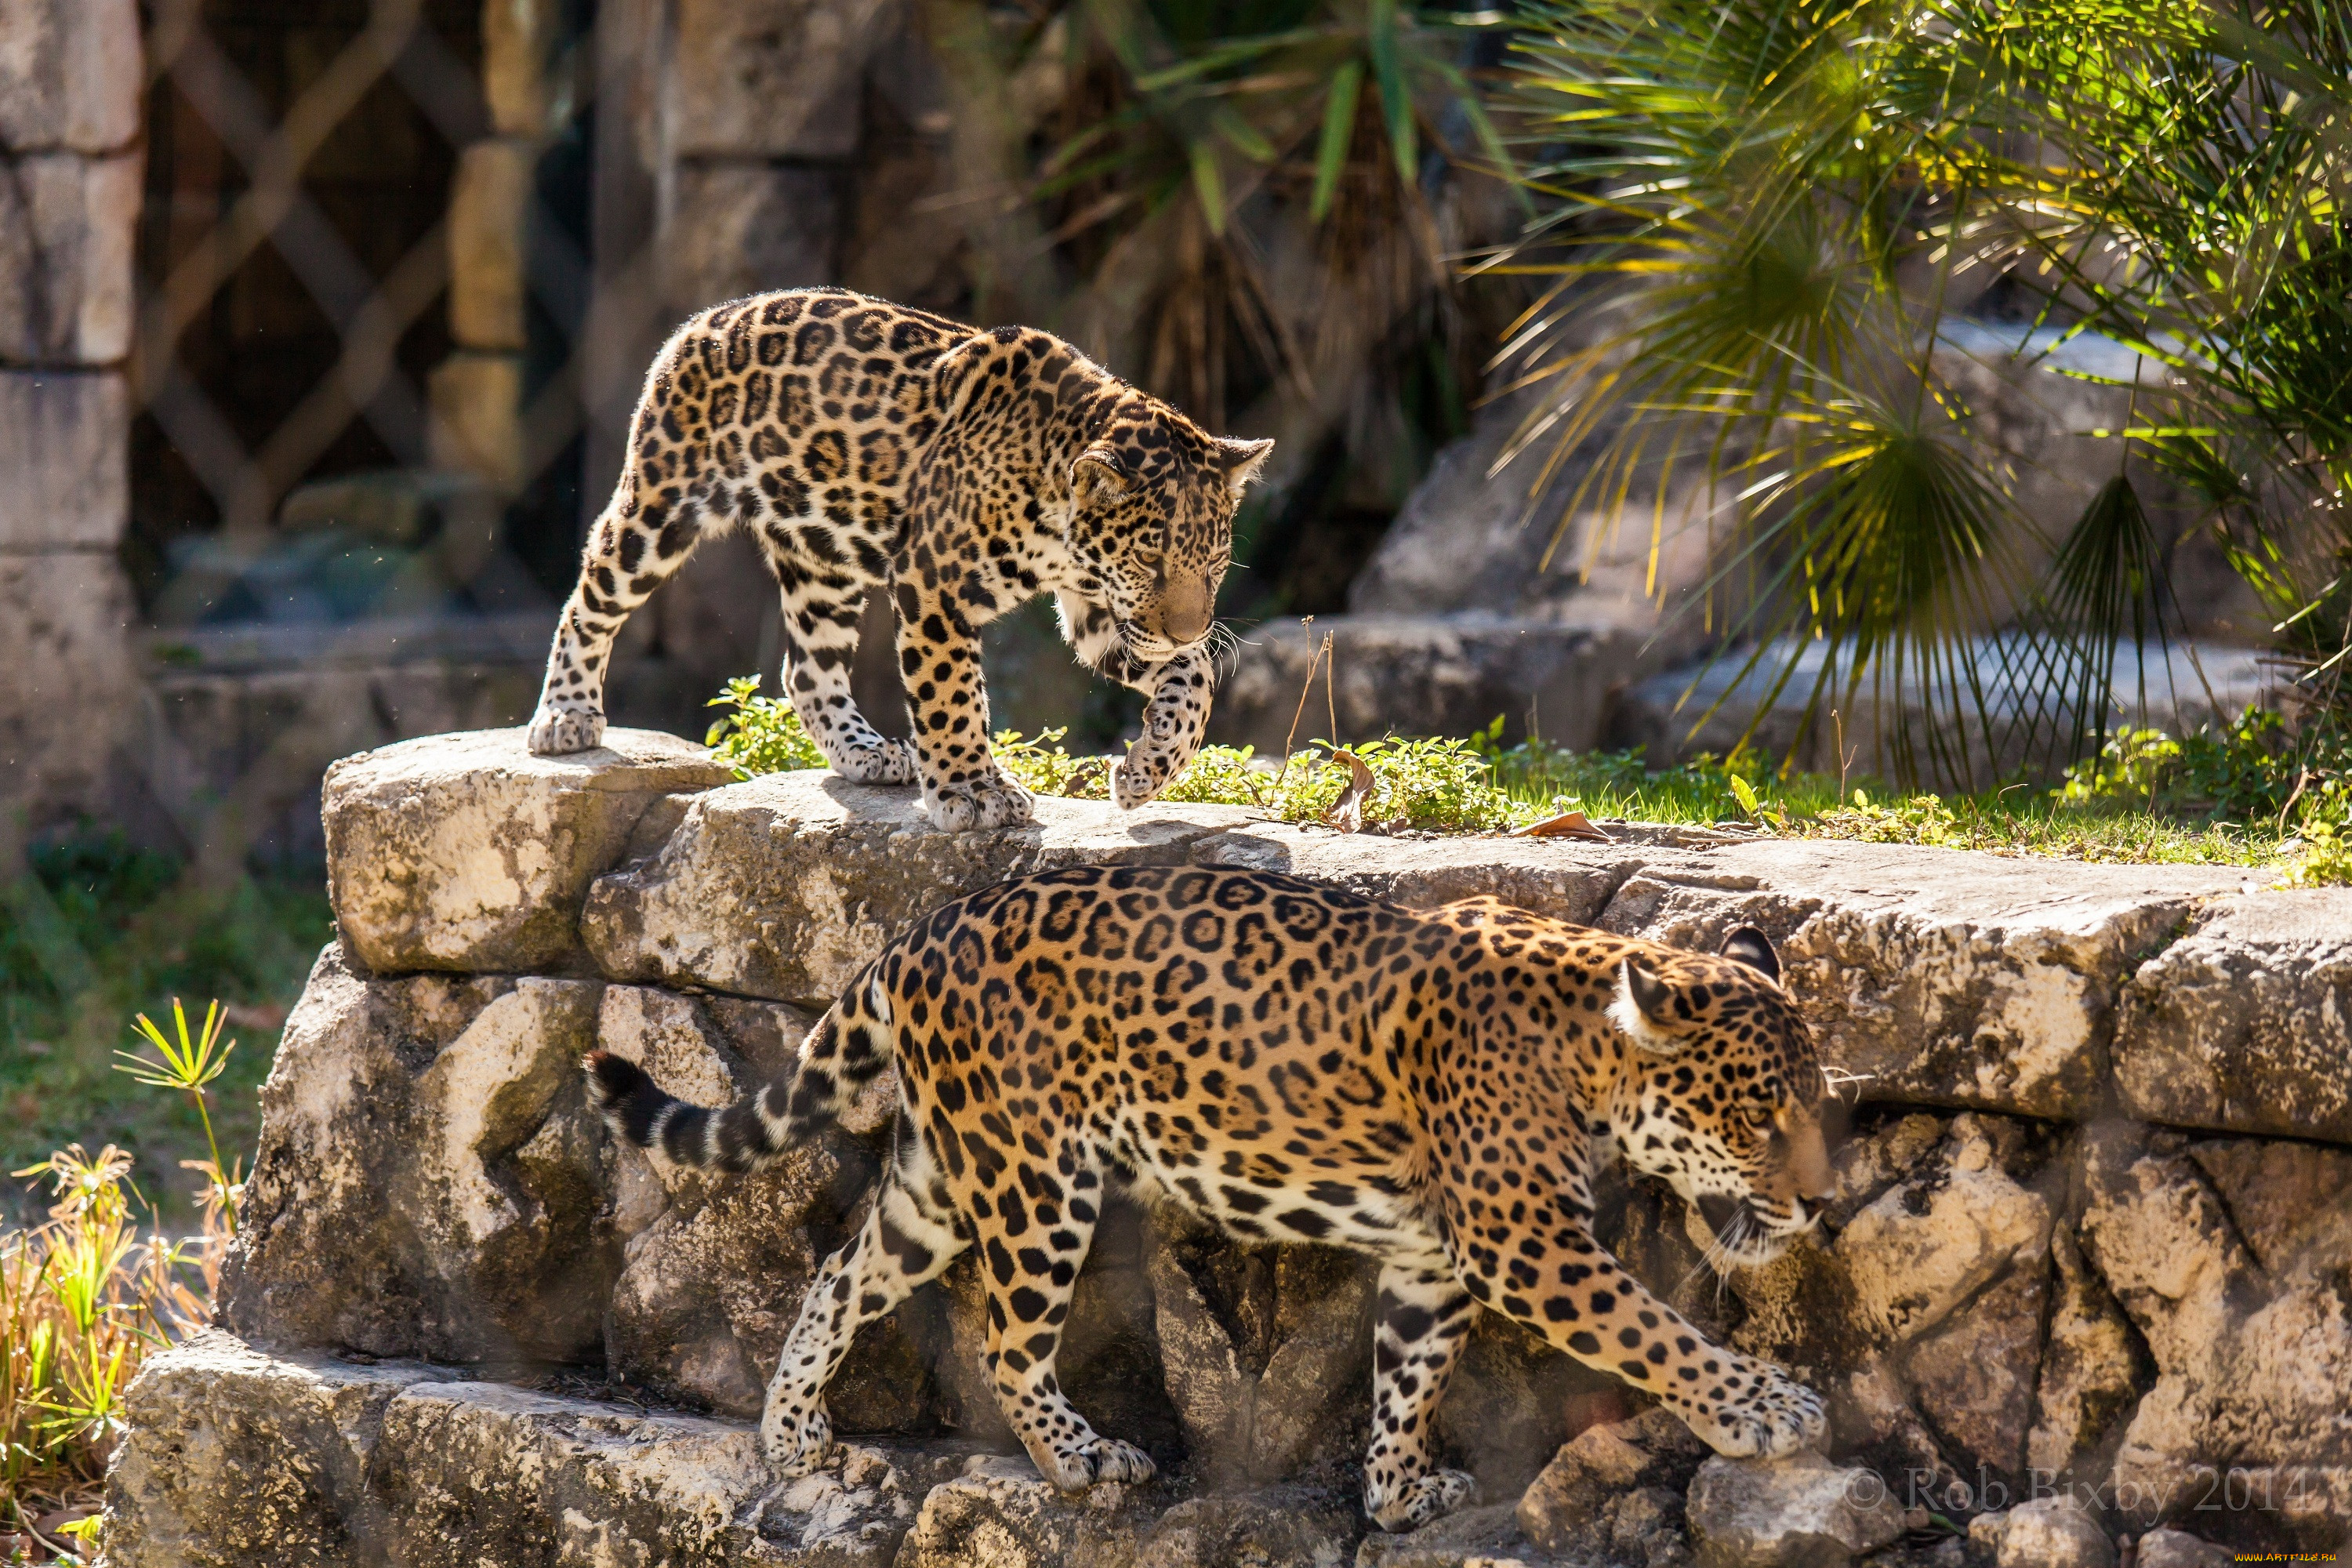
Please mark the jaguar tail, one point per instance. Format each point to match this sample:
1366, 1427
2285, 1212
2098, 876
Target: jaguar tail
835, 1064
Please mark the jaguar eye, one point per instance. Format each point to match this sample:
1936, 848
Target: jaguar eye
1759, 1116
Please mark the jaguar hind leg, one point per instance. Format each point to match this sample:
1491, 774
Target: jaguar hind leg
1029, 1270
820, 621
904, 1243
1423, 1317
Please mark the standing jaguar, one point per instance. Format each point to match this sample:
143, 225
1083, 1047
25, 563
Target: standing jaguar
1293, 1063
866, 443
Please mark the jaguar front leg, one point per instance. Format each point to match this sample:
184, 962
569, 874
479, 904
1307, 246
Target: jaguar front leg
1575, 1295
1174, 719
938, 660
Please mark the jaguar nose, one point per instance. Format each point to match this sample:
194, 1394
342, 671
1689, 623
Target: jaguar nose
1186, 609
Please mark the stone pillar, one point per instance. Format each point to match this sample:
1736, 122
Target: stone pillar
477, 392
69, 186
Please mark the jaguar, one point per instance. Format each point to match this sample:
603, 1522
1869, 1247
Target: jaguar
864, 443
1292, 1062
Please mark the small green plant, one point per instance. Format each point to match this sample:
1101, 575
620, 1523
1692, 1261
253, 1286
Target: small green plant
189, 1066
84, 1300
762, 734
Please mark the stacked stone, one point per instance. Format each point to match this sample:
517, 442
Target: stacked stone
2083, 1275
70, 178
477, 393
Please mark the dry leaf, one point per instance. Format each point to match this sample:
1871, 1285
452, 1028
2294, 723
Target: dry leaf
1566, 824
1347, 813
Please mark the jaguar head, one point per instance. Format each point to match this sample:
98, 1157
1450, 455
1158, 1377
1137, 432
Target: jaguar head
1151, 511
1723, 1097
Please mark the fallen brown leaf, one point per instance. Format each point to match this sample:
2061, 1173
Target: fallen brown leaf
1347, 813
1566, 824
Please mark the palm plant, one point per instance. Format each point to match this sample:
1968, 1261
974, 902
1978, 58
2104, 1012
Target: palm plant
1767, 207
1241, 204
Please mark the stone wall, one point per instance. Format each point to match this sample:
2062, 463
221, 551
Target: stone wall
2089, 1240
69, 165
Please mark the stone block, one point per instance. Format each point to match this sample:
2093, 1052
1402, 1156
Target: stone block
1000, 1514
428, 1183
784, 887
468, 853
70, 689
1920, 1226
489, 214
69, 75
477, 417
1801, 1512
1599, 1465
519, 42
772, 79
237, 1456
1424, 675
2246, 1024
2054, 1533
2253, 1366
743, 229
1937, 976
65, 232
1267, 1350
65, 443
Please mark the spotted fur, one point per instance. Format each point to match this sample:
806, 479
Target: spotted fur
864, 443
1293, 1063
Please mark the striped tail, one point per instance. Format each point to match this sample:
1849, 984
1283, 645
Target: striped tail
787, 1110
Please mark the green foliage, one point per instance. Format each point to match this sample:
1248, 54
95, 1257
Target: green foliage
84, 1299
1766, 202
760, 734
97, 930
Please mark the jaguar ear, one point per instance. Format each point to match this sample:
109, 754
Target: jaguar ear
1243, 460
1641, 1011
1097, 473
1753, 948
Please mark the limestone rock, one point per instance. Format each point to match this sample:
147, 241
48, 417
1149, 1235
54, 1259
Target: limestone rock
1003, 1513
428, 1183
1485, 1536
63, 434
1799, 1512
747, 227
2092, 1374
70, 74
66, 227
1427, 675
1267, 1350
236, 1458
771, 78
1945, 978
466, 852
786, 886
1561, 878
1602, 1463
2054, 1533
1974, 1377
2245, 1024
2252, 1399
1904, 1260
72, 686
1000, 1513
2174, 1549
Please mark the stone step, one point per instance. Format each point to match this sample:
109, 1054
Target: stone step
238, 1457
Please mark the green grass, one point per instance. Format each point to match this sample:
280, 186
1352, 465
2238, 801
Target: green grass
2250, 794
101, 931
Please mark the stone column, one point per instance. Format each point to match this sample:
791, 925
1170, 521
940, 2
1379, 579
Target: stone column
70, 189
477, 392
